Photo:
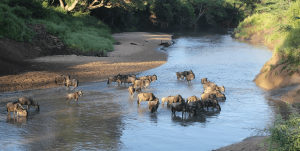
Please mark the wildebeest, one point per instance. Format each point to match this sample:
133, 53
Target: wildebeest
116, 78
153, 105
184, 74
179, 75
128, 79
29, 102
200, 104
131, 90
141, 83
222, 88
192, 99
179, 107
71, 82
138, 90
203, 80
172, 99
204, 96
209, 84
212, 103
145, 97
175, 99
60, 79
74, 95
218, 95
16, 106
190, 77
213, 88
164, 99
151, 78
146, 83
190, 109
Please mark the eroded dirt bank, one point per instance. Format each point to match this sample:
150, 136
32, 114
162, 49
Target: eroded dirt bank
24, 68
276, 77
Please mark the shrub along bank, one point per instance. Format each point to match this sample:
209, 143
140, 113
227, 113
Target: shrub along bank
78, 31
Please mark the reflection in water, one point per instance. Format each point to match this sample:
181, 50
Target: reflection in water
280, 108
16, 120
106, 118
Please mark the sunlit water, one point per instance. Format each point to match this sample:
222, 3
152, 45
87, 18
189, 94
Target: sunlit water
106, 118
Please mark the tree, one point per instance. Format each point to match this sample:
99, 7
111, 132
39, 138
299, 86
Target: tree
203, 7
69, 5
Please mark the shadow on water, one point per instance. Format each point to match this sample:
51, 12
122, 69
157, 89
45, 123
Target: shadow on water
190, 120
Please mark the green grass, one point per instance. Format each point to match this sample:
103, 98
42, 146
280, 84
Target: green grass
13, 26
281, 29
78, 31
285, 134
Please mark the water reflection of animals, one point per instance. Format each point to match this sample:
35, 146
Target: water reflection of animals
16, 120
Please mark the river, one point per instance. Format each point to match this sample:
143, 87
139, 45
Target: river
106, 118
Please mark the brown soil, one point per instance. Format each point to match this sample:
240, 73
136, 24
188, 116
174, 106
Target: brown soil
255, 143
32, 65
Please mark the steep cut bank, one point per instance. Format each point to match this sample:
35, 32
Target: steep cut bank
276, 76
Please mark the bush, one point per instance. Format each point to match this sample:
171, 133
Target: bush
34, 6
12, 26
22, 12
285, 134
80, 32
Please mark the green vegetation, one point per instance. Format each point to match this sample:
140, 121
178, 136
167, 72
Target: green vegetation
285, 134
278, 21
78, 31
77, 22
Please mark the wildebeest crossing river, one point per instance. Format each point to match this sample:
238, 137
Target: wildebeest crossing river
106, 118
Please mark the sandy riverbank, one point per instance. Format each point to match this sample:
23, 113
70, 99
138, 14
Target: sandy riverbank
135, 52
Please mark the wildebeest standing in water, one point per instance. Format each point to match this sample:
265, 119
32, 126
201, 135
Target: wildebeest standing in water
131, 90
190, 77
179, 107
145, 97
29, 102
71, 82
130, 78
74, 95
16, 106
153, 105
184, 74
151, 78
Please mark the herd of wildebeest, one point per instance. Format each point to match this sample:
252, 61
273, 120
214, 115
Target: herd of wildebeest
209, 98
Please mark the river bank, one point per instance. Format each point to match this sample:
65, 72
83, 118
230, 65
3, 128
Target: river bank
135, 52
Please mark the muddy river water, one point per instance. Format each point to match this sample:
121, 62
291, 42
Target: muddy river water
106, 118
